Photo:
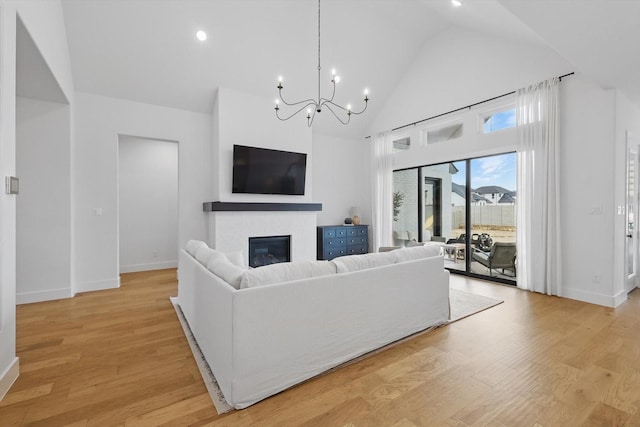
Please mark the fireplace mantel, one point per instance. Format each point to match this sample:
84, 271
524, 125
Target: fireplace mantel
259, 207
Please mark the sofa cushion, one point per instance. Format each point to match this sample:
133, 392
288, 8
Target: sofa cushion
230, 273
360, 262
416, 252
236, 258
204, 254
285, 272
192, 246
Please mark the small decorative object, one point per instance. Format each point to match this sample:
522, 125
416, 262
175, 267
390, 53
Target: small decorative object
355, 215
347, 221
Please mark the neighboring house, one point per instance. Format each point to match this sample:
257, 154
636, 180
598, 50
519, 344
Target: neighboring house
508, 199
491, 193
478, 198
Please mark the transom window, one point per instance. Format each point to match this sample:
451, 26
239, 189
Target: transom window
401, 144
499, 120
443, 133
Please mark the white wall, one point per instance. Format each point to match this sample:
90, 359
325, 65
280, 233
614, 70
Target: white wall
44, 20
461, 67
148, 204
99, 121
44, 204
246, 119
587, 117
341, 178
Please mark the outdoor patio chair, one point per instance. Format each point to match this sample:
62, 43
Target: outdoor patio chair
502, 255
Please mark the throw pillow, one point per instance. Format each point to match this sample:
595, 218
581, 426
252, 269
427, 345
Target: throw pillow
192, 246
286, 272
411, 244
236, 258
361, 262
221, 267
205, 254
416, 252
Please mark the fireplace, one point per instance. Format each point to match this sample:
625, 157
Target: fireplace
269, 250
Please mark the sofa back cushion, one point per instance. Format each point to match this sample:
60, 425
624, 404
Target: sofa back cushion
348, 263
416, 252
192, 246
204, 254
224, 269
286, 272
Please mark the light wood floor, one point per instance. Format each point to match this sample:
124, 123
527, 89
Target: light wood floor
119, 358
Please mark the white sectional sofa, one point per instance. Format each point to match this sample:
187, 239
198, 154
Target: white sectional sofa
266, 329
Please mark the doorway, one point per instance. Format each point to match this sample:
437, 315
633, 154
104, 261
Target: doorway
631, 258
147, 204
468, 207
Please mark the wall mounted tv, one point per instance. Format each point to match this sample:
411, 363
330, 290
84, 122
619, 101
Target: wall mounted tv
265, 171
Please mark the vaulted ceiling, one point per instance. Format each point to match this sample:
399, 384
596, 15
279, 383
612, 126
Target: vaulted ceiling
146, 51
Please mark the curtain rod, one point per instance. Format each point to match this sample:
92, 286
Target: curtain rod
463, 108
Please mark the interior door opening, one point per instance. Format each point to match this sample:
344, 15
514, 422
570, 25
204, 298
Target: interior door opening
147, 204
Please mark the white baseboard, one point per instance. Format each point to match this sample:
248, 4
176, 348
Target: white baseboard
39, 296
97, 285
9, 376
592, 298
148, 267
621, 297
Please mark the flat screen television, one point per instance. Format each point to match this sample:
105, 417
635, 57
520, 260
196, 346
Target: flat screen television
265, 171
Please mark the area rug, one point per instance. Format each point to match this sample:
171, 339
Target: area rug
461, 304
210, 382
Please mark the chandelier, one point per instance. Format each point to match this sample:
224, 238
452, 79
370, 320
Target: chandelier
313, 106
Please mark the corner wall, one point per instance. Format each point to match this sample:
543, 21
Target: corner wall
341, 179
43, 156
99, 120
587, 135
45, 22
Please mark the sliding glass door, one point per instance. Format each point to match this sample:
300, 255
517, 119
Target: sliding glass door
467, 207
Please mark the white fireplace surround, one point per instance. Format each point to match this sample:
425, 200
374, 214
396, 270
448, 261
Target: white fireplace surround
230, 231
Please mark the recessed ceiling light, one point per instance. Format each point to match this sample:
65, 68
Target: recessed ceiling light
201, 35
456, 3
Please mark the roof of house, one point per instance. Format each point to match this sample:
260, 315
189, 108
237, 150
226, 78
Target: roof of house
491, 189
507, 198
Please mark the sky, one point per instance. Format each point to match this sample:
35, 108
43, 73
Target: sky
497, 170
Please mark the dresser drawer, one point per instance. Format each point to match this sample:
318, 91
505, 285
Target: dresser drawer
337, 242
331, 253
358, 240
328, 233
341, 232
357, 249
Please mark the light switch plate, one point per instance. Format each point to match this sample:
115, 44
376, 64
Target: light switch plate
12, 185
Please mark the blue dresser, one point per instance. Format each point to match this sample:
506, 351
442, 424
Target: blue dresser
339, 240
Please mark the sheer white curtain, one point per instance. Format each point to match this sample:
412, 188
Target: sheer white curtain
538, 235
382, 187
